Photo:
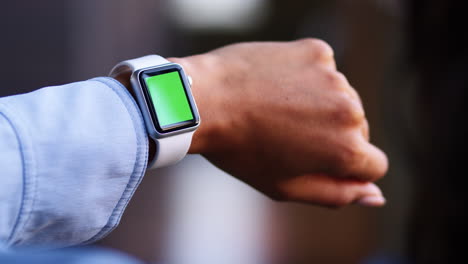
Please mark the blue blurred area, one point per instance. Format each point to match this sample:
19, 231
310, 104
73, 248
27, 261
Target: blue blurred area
89, 255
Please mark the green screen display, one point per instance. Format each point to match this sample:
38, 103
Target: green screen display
169, 99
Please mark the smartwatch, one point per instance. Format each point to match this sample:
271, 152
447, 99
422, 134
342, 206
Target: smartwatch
162, 91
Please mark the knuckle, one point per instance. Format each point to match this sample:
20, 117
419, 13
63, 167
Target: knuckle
320, 48
350, 156
347, 113
383, 168
336, 79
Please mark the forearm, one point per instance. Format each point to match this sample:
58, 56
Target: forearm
79, 163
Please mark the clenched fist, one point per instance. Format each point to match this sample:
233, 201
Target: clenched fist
280, 117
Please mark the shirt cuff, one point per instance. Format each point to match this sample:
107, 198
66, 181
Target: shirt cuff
85, 150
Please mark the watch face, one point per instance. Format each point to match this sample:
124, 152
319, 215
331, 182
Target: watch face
167, 94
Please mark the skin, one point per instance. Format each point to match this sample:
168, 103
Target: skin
280, 117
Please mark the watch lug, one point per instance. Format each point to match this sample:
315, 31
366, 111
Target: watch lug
190, 80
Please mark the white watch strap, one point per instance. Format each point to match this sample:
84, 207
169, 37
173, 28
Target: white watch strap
169, 150
129, 66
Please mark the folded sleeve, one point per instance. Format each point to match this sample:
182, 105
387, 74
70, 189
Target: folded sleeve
71, 157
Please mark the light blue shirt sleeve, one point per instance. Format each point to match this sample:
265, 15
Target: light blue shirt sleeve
71, 158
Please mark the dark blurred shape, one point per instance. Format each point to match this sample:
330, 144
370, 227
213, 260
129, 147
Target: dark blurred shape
34, 45
439, 50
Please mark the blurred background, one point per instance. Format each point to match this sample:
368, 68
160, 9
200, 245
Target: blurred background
407, 59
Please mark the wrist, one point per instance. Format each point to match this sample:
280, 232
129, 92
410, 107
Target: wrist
124, 79
207, 76
209, 79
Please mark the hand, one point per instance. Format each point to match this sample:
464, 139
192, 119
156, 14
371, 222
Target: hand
280, 117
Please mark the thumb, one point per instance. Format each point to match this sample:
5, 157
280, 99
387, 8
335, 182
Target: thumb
330, 191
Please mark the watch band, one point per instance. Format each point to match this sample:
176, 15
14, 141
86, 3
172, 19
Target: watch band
169, 150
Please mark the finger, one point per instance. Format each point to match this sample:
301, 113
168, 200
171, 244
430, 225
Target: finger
369, 164
318, 52
353, 93
338, 81
347, 88
329, 191
365, 130
329, 63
